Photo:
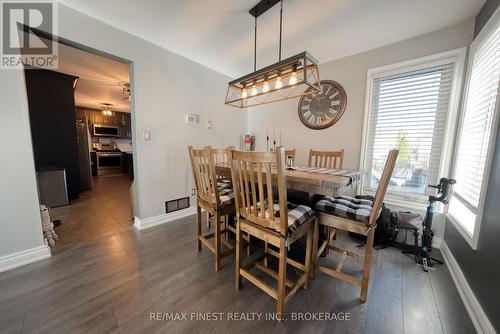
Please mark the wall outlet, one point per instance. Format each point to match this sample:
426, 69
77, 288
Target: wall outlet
193, 192
209, 124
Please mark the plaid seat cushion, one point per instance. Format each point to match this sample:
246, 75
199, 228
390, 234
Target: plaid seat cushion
347, 207
297, 215
226, 196
224, 183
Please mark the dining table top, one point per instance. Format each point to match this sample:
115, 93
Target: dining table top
312, 182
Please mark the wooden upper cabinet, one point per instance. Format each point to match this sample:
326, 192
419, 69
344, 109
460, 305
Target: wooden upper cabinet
120, 119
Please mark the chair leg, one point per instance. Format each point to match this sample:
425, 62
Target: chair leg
217, 241
307, 262
315, 248
367, 265
249, 251
280, 309
226, 233
237, 276
198, 227
266, 250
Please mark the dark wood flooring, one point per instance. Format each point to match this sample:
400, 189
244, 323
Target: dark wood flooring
115, 283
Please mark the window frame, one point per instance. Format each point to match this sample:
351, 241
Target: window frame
457, 57
483, 35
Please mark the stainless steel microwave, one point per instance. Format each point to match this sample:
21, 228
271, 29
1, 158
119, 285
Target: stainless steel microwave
103, 130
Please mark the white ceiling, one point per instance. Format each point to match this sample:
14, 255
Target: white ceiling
101, 78
219, 33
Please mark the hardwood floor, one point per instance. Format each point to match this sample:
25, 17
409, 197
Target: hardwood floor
103, 210
115, 283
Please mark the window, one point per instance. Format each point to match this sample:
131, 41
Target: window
477, 132
409, 110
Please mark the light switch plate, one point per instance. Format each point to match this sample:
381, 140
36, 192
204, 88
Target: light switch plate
147, 135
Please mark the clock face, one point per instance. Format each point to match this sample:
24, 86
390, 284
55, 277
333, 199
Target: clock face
324, 108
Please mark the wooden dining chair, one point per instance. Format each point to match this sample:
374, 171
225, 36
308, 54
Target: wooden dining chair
221, 157
331, 160
290, 156
353, 215
271, 219
215, 198
326, 159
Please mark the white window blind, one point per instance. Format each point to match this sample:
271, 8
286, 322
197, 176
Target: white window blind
408, 112
475, 131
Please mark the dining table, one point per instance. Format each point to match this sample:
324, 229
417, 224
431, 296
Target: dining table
313, 182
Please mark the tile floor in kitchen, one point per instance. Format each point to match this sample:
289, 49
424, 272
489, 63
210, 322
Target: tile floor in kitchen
103, 210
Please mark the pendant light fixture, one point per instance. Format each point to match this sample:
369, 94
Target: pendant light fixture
107, 109
283, 80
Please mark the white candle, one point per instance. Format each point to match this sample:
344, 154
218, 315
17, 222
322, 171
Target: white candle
281, 133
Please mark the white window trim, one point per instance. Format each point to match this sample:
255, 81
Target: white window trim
457, 57
473, 240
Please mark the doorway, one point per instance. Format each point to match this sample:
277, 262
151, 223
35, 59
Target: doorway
81, 126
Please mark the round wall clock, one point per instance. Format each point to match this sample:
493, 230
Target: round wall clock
325, 108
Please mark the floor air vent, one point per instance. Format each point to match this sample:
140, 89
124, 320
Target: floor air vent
176, 204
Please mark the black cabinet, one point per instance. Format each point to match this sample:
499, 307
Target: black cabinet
128, 164
93, 163
120, 119
53, 123
124, 120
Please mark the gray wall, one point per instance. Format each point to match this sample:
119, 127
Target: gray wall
351, 72
166, 87
480, 267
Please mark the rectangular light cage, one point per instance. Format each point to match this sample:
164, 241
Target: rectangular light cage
292, 77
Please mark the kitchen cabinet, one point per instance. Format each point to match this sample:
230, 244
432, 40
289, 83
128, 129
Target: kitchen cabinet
93, 163
124, 121
128, 165
52, 117
120, 119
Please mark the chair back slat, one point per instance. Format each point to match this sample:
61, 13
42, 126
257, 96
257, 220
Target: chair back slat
221, 157
204, 175
383, 184
252, 174
290, 156
326, 159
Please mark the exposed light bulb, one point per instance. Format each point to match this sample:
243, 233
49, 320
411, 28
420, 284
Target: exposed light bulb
244, 93
265, 88
278, 83
254, 90
293, 78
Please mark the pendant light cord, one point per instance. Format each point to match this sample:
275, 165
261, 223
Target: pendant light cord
255, 38
255, 48
281, 26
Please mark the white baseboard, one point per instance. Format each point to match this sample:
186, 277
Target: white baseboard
481, 322
437, 242
145, 223
18, 259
